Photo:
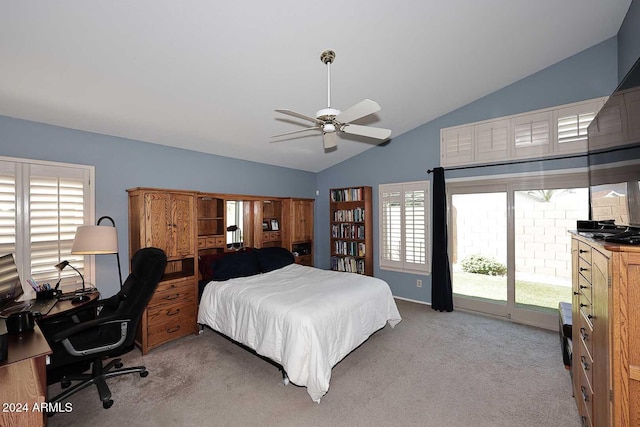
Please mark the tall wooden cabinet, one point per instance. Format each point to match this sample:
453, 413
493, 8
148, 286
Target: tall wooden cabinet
351, 225
606, 332
166, 219
298, 231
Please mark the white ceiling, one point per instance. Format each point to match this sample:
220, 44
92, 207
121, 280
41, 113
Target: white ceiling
207, 75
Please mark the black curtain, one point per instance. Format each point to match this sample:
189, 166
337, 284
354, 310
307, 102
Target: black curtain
441, 293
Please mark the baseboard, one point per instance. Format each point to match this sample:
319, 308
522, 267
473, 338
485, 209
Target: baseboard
412, 300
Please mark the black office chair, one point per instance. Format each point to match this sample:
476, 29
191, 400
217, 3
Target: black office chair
102, 329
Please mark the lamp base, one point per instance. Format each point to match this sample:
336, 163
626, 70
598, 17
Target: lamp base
80, 298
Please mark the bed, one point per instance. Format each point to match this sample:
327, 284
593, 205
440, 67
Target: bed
302, 318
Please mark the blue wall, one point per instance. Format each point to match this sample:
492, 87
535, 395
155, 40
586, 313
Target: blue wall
121, 164
589, 74
629, 39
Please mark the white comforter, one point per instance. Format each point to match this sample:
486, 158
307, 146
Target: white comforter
303, 318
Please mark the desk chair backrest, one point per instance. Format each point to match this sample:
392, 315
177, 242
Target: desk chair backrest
147, 267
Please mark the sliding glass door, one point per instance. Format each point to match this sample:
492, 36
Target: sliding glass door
510, 247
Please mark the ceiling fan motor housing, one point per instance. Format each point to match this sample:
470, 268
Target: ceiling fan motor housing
327, 114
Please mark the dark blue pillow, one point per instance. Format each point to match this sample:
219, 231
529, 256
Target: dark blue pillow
238, 264
270, 259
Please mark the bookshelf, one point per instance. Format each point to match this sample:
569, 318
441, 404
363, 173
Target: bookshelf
351, 228
211, 226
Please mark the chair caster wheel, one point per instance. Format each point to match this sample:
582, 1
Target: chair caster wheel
107, 404
144, 373
65, 384
118, 365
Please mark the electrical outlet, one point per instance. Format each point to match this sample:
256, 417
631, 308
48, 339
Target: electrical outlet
419, 283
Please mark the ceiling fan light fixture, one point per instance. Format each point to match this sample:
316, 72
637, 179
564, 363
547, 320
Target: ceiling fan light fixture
328, 128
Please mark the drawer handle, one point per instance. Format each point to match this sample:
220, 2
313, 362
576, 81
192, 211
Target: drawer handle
172, 297
583, 269
583, 390
172, 330
576, 293
584, 305
583, 287
584, 334
589, 316
585, 365
169, 313
583, 251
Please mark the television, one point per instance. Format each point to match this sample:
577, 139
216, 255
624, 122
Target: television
614, 158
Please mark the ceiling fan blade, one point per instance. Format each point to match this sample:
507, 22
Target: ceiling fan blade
361, 109
330, 140
368, 131
298, 115
296, 131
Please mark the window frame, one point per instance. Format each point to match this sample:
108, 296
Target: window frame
403, 265
23, 170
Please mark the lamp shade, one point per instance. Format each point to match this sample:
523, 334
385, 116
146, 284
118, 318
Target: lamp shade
95, 239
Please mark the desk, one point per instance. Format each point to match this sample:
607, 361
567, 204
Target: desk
24, 374
66, 305
24, 379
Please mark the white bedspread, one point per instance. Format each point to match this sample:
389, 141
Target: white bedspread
303, 318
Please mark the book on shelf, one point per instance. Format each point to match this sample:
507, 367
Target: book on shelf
349, 215
346, 194
348, 264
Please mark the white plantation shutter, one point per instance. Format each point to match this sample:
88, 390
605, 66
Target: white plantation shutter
391, 225
574, 128
41, 205
56, 206
404, 212
7, 208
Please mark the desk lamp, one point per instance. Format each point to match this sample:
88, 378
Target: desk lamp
97, 240
79, 298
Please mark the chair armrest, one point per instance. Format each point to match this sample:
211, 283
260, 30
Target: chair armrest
84, 326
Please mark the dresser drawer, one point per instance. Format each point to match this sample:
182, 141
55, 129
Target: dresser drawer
584, 251
174, 328
586, 334
586, 364
171, 291
202, 242
584, 268
585, 286
162, 313
585, 306
585, 397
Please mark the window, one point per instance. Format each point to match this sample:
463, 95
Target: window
551, 131
41, 205
404, 216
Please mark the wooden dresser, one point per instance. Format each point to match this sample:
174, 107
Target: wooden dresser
606, 332
166, 219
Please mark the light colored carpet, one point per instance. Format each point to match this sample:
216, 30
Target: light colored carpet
432, 369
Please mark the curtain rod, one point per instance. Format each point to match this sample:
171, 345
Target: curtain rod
518, 162
573, 156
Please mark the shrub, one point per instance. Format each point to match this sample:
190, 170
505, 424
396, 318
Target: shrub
480, 264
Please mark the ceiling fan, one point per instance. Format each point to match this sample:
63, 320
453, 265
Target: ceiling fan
330, 121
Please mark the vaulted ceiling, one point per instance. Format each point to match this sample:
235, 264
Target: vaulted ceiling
207, 75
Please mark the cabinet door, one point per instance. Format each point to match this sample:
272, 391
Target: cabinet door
302, 220
169, 223
182, 225
158, 222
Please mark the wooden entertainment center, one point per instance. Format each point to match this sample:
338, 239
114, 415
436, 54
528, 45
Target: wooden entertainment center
606, 332
189, 224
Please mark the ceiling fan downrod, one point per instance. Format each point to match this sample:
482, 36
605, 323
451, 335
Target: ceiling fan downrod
327, 114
